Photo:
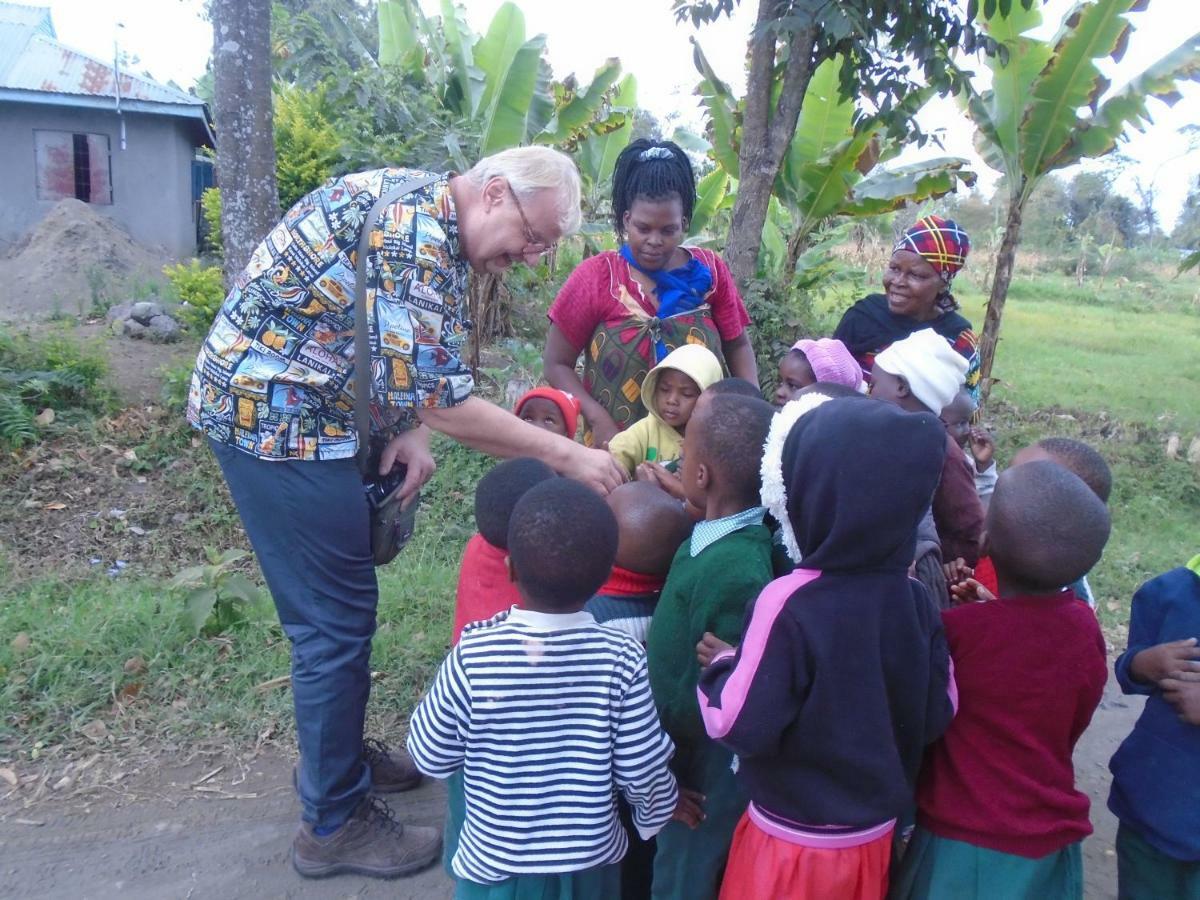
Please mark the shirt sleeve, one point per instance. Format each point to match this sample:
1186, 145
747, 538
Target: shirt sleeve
749, 698
582, 302
943, 691
1145, 625
628, 447
728, 308
957, 512
438, 729
641, 754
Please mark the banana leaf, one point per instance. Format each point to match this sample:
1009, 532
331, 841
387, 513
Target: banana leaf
1012, 84
581, 110
1071, 80
398, 41
885, 190
1127, 106
710, 194
598, 154
495, 52
466, 76
723, 131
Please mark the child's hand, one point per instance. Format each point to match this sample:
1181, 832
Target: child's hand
656, 473
1184, 695
689, 810
969, 591
1161, 661
957, 571
983, 448
710, 647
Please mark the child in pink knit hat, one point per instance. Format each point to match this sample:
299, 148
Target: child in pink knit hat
810, 361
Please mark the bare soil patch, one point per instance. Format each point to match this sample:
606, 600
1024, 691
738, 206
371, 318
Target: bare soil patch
71, 254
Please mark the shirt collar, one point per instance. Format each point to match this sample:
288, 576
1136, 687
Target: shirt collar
708, 532
550, 621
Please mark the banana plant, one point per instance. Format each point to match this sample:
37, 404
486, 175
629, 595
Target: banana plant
834, 166
1049, 107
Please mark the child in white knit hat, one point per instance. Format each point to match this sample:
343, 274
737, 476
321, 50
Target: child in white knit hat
922, 373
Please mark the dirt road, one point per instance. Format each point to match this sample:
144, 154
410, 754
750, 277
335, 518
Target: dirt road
228, 837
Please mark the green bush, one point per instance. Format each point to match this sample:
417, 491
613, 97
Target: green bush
210, 208
306, 144
200, 291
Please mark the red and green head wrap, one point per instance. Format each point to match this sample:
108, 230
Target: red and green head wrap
940, 242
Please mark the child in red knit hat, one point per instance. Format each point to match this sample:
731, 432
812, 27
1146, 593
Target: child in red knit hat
549, 408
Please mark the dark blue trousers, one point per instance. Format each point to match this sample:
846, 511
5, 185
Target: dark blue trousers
308, 523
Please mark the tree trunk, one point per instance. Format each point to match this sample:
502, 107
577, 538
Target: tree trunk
1005, 257
766, 134
245, 136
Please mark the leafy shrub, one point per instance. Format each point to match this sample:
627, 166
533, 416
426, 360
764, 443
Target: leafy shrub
306, 143
218, 596
200, 291
53, 373
210, 208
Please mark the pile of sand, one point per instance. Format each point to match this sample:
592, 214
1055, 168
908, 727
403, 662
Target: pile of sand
71, 254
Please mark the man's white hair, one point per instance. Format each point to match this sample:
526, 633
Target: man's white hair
531, 169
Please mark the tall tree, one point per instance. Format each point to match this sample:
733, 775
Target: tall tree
1029, 121
245, 139
879, 40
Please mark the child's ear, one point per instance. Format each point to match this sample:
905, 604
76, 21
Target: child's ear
903, 389
512, 572
703, 476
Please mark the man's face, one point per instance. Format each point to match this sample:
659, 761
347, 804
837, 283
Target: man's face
508, 229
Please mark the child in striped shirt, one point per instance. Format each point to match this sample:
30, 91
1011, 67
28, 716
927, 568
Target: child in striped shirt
548, 715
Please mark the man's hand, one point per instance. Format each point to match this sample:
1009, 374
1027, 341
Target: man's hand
969, 591
1184, 696
983, 448
595, 468
957, 571
411, 448
690, 808
710, 647
1153, 664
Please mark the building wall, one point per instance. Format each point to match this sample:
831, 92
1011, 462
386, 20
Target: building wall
151, 178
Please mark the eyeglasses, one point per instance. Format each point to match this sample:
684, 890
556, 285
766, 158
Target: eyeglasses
532, 242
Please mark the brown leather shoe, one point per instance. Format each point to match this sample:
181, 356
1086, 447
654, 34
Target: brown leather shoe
391, 770
372, 842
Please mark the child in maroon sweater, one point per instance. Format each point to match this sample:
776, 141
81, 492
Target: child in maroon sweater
998, 812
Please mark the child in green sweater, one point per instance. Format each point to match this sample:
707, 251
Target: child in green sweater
713, 578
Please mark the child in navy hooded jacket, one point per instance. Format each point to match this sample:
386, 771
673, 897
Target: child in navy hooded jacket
843, 675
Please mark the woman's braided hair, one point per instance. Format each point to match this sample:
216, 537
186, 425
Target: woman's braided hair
651, 170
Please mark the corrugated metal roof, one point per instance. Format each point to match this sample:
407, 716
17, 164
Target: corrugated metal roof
36, 61
35, 17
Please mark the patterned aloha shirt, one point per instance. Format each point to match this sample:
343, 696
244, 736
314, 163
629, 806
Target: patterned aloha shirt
275, 376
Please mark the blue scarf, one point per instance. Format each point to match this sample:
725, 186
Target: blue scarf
679, 290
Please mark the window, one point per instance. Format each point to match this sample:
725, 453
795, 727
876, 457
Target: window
72, 165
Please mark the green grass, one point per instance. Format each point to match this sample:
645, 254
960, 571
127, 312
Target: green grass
80, 634
1133, 361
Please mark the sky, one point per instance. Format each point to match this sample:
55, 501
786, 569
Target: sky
172, 41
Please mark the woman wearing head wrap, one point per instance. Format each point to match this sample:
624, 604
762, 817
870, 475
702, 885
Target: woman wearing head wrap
916, 295
626, 310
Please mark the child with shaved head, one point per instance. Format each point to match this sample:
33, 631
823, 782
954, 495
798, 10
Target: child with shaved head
651, 525
998, 811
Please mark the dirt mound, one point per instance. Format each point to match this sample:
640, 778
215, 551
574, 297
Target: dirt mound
73, 256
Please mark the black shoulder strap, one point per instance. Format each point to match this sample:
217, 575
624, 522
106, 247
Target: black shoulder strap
362, 343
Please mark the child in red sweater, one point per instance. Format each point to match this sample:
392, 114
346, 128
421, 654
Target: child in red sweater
484, 587
998, 812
